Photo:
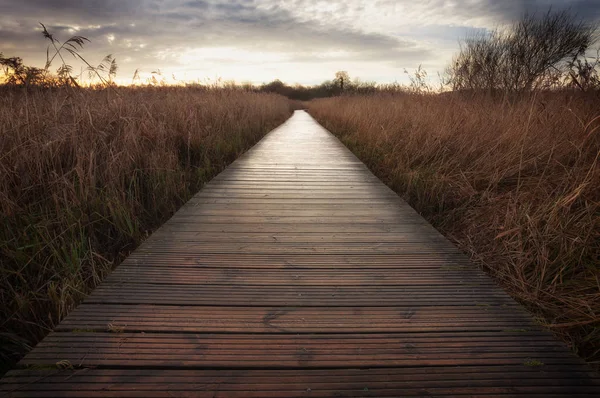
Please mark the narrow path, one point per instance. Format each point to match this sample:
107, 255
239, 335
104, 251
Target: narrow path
296, 272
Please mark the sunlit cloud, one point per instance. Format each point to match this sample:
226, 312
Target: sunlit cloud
302, 41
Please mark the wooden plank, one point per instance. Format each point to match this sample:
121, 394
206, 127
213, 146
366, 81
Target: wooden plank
443, 381
332, 261
310, 277
335, 296
296, 272
293, 351
154, 318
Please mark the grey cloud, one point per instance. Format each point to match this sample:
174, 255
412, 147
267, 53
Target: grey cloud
271, 26
90, 11
586, 9
277, 29
510, 10
486, 13
203, 23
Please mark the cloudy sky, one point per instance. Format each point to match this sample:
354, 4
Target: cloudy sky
297, 41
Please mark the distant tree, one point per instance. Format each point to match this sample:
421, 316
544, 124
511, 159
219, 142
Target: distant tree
342, 77
524, 57
363, 87
276, 86
247, 86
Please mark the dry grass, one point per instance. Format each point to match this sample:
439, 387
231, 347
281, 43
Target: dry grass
86, 175
516, 184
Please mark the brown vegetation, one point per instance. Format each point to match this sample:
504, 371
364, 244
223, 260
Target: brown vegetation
87, 174
516, 184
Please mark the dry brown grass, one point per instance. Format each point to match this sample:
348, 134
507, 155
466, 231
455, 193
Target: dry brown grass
86, 175
514, 183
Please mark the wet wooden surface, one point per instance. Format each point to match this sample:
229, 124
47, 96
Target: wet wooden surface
296, 272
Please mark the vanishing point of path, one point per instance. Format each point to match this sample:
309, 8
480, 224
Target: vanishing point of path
297, 273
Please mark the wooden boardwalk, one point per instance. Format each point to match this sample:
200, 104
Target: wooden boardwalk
297, 273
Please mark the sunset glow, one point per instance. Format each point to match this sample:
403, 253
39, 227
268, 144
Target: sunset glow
259, 41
